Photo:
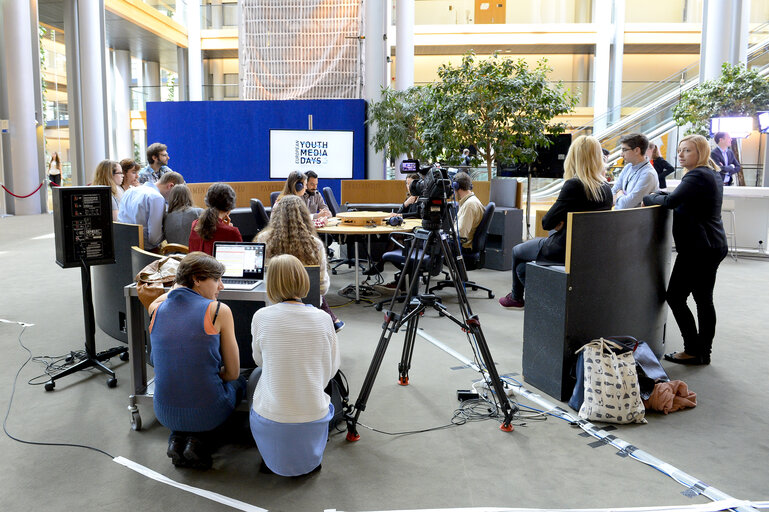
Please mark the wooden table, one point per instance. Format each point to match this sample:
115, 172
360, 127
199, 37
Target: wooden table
408, 226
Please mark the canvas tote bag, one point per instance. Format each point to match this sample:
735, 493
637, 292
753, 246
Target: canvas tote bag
612, 394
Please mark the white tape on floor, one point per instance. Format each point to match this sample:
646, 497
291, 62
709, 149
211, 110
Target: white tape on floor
694, 485
23, 324
219, 498
714, 506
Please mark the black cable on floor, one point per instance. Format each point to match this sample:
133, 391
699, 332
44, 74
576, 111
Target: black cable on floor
10, 403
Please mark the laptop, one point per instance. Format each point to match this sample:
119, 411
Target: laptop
243, 264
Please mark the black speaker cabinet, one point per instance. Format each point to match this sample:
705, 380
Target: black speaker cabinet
82, 224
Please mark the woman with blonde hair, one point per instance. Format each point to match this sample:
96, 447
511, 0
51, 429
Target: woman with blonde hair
295, 347
700, 246
291, 231
110, 174
584, 189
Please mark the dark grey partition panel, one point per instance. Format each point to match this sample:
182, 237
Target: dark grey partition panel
616, 275
505, 232
108, 282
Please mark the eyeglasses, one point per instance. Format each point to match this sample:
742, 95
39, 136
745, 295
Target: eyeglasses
623, 150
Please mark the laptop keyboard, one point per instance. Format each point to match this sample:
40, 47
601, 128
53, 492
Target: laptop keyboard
239, 281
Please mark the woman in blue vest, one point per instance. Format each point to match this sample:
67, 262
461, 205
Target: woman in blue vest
195, 355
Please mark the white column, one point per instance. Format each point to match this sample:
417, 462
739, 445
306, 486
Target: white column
404, 44
194, 52
601, 62
20, 86
151, 80
182, 85
217, 70
93, 105
375, 76
122, 95
617, 53
724, 35
740, 29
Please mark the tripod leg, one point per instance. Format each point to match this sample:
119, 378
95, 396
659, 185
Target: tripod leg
408, 350
474, 327
368, 382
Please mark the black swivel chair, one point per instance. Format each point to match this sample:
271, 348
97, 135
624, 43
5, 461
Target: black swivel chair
474, 256
260, 214
333, 205
273, 197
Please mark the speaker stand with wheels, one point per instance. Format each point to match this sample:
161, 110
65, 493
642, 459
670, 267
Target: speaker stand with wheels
92, 359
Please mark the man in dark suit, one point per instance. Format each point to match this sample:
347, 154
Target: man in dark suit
724, 157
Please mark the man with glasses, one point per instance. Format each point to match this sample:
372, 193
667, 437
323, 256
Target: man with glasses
157, 163
638, 178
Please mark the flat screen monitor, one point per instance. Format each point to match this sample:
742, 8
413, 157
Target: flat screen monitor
736, 127
327, 152
763, 122
549, 162
409, 166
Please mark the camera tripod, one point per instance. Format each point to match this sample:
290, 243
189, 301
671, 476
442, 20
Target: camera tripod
414, 306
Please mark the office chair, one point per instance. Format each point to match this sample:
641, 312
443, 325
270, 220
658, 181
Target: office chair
333, 205
274, 197
474, 256
260, 214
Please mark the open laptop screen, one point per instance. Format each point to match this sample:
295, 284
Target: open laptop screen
241, 259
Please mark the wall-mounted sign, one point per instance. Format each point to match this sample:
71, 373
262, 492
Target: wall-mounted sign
328, 153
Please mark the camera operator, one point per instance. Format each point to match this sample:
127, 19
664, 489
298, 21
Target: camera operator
470, 209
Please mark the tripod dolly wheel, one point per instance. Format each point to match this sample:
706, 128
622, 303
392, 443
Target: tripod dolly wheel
112, 382
124, 356
50, 385
136, 421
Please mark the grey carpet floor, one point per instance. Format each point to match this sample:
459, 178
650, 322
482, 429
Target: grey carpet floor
544, 464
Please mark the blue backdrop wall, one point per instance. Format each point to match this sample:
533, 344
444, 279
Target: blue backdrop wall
230, 140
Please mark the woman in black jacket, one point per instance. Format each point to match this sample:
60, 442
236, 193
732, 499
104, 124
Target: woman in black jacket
584, 189
701, 246
660, 165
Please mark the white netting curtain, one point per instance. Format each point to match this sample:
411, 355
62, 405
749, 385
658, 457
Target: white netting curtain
299, 49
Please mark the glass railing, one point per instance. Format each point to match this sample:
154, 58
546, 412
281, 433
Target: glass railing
673, 87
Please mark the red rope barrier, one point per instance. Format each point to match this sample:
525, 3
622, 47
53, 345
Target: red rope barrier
22, 197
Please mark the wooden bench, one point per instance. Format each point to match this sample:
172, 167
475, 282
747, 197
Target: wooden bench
613, 284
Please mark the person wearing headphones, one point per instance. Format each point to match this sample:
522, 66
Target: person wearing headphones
295, 185
470, 208
313, 198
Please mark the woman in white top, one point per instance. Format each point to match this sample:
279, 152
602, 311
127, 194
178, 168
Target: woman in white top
110, 174
291, 231
294, 345
54, 169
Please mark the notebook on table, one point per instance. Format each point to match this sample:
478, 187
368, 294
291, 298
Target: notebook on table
243, 264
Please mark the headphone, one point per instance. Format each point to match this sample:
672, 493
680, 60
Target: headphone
394, 221
455, 185
299, 186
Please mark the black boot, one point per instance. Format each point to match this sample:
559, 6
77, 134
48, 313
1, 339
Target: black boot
197, 453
